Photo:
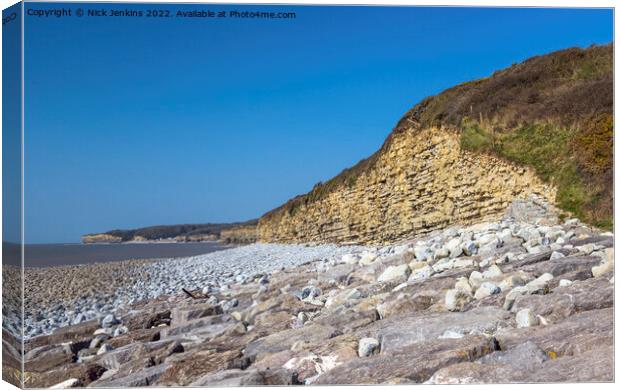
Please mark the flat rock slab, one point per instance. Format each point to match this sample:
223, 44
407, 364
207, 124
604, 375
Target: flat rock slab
73, 333
184, 314
84, 373
284, 340
563, 265
186, 368
414, 363
206, 327
592, 366
401, 331
251, 377
572, 336
145, 377
47, 357
581, 296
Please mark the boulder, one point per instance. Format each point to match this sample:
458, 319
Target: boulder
486, 289
475, 279
350, 258
457, 299
367, 346
399, 272
525, 318
539, 285
420, 271
492, 272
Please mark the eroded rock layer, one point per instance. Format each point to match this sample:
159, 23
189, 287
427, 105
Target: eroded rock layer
420, 181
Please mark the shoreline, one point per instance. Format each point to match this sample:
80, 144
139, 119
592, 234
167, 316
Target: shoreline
64, 295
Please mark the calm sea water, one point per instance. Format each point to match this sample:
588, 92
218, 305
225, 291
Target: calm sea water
47, 255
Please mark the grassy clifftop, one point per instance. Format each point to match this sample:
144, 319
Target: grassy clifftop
552, 112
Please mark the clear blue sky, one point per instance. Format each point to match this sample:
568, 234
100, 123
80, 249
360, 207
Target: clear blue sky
139, 121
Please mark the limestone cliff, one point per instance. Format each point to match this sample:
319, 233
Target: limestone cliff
239, 235
422, 181
100, 238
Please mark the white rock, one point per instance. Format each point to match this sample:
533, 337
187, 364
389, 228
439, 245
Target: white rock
492, 272
367, 346
586, 249
108, 321
400, 287
451, 334
533, 250
395, 272
556, 255
554, 235
69, 383
444, 264
528, 233
462, 283
475, 279
120, 330
511, 281
512, 296
350, 258
368, 258
526, 318
457, 299
469, 248
505, 235
441, 253
104, 349
555, 247
539, 285
422, 253
486, 289
450, 232
420, 273
454, 246
488, 239
99, 331
565, 282
606, 266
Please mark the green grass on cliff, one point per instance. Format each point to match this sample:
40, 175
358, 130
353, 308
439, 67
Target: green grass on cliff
583, 187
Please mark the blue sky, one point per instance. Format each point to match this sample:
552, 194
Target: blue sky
140, 121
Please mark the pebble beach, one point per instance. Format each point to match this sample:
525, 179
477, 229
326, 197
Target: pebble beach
68, 295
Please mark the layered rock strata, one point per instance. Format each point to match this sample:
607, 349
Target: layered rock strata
420, 182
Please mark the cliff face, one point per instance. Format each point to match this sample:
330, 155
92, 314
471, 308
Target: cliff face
100, 238
421, 181
239, 235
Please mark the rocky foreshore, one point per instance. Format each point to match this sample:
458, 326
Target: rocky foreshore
523, 299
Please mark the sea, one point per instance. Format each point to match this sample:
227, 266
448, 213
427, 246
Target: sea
51, 255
